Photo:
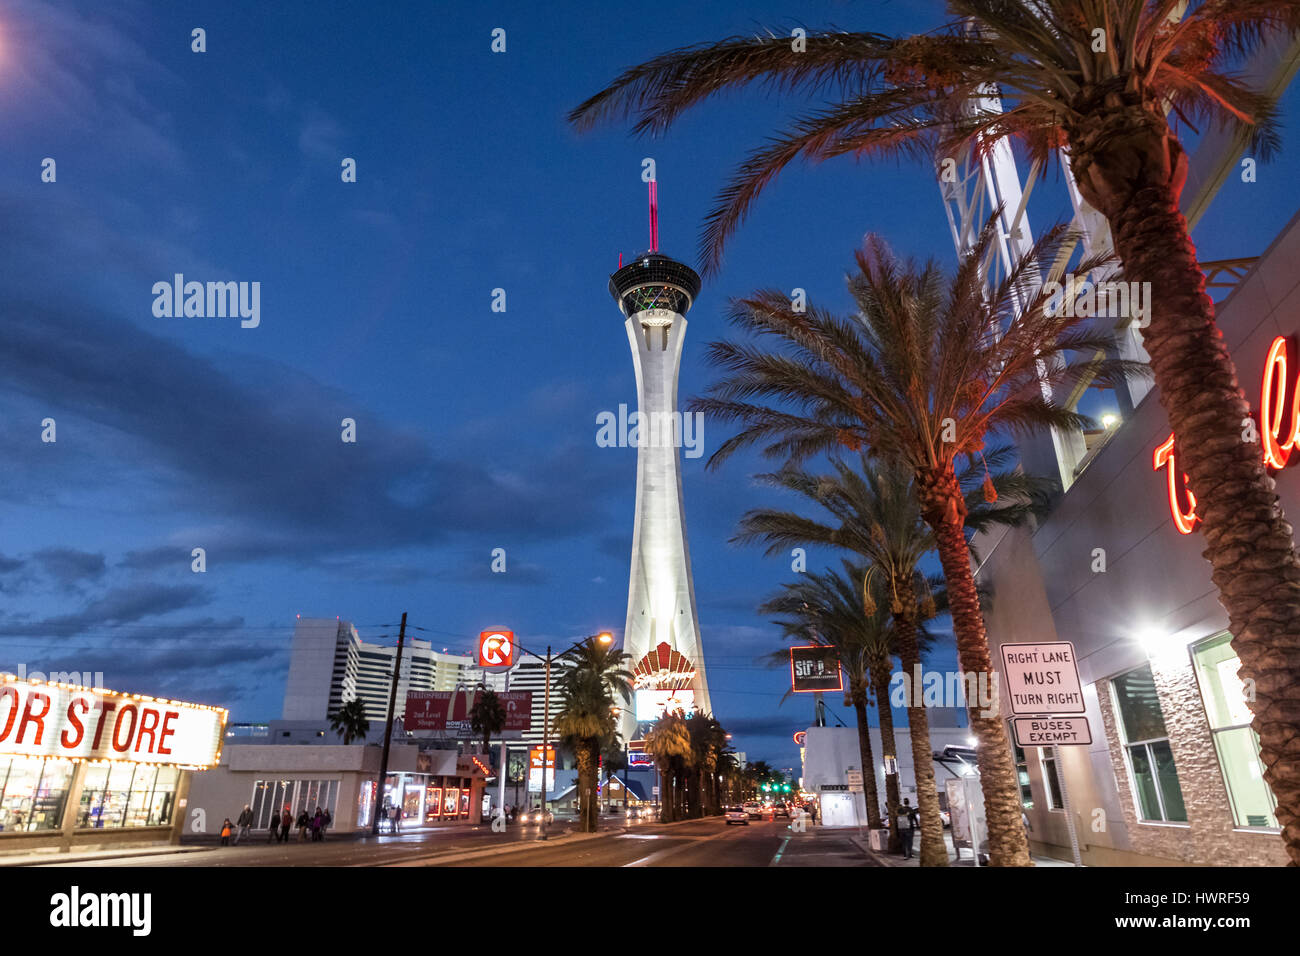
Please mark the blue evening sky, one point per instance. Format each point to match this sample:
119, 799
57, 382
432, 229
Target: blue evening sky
476, 429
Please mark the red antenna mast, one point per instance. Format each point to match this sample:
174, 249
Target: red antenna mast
654, 217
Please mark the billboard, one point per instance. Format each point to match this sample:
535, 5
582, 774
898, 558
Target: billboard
448, 711
814, 668
496, 648
651, 703
535, 769
79, 723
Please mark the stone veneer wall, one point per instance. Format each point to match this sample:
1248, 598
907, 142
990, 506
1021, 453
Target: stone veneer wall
1209, 837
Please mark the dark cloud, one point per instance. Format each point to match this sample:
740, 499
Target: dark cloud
67, 565
123, 605
9, 565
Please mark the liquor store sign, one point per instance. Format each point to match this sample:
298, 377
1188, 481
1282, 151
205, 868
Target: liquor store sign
79, 723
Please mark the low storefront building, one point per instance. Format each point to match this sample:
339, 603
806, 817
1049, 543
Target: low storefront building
84, 767
430, 787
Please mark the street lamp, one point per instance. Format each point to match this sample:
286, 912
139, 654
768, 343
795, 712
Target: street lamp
603, 638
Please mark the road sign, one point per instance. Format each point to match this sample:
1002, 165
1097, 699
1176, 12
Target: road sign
1042, 678
854, 778
891, 765
1051, 731
814, 668
656, 791
496, 649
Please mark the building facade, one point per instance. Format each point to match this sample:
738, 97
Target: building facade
1172, 776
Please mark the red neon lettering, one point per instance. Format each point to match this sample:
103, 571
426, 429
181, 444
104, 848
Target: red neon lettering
167, 731
1164, 457
118, 744
1272, 404
31, 718
105, 708
75, 721
148, 725
10, 692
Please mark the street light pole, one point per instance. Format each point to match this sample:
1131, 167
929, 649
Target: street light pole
546, 729
388, 729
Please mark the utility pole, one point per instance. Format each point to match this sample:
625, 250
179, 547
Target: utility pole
388, 729
546, 730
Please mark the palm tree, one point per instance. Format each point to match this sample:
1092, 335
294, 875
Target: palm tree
487, 716
876, 516
670, 743
708, 740
350, 722
828, 607
591, 674
926, 372
1104, 106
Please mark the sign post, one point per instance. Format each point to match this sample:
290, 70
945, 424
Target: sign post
1043, 684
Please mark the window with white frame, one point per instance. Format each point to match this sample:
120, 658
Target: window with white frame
1156, 790
1047, 758
1236, 744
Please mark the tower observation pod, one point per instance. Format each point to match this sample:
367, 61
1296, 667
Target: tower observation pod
662, 634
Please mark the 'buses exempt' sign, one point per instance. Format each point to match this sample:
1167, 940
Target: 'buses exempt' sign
1042, 678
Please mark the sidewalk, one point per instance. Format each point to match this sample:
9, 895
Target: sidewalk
42, 857
954, 858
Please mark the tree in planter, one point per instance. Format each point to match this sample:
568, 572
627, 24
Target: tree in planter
350, 722
487, 716
927, 371
1095, 81
669, 742
874, 514
828, 607
591, 676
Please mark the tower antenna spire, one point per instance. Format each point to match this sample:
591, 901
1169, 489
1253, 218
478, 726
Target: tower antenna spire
654, 217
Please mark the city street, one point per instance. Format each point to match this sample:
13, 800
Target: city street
708, 842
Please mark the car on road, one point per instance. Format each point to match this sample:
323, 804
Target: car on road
754, 810
781, 810
736, 815
535, 816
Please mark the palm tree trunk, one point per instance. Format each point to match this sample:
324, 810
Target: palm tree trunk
933, 850
1249, 542
665, 788
584, 768
868, 761
880, 680
943, 506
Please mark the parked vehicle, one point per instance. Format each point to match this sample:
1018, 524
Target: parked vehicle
736, 815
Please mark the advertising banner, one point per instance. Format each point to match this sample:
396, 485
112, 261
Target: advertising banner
448, 711
60, 720
814, 668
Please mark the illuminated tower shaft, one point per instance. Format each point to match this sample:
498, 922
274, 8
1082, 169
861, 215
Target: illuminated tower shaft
662, 634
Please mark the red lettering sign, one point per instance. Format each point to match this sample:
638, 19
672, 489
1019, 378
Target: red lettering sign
1279, 433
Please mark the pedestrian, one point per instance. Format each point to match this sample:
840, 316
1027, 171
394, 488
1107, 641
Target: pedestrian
286, 824
244, 821
395, 815
304, 823
316, 821
325, 821
225, 832
907, 819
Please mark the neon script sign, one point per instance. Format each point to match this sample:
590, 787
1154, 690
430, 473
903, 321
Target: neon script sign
1278, 392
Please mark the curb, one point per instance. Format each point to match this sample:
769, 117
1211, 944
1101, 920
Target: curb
44, 860
883, 860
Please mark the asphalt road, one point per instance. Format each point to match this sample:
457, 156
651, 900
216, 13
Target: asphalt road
697, 843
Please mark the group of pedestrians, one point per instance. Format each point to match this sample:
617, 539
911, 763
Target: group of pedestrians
282, 824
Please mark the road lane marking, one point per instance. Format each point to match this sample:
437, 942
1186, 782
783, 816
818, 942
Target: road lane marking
776, 860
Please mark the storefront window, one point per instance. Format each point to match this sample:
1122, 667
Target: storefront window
127, 795
33, 793
1052, 779
451, 797
1022, 777
365, 802
1146, 745
1235, 742
464, 799
432, 803
270, 797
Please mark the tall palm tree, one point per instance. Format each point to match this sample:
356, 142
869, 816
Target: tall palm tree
876, 515
350, 722
708, 740
670, 743
829, 607
591, 674
487, 716
926, 372
1106, 107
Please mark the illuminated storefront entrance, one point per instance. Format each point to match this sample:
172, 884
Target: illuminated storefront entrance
87, 766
